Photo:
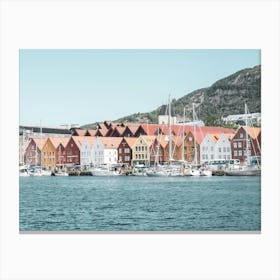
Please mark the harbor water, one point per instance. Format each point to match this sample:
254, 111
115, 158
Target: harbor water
128, 203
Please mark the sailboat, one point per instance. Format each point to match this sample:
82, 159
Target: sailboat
38, 171
172, 169
248, 169
195, 169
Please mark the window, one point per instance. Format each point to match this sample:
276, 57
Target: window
220, 150
212, 149
190, 139
127, 158
235, 153
120, 150
239, 144
241, 135
126, 150
142, 148
239, 153
228, 150
136, 148
234, 145
224, 149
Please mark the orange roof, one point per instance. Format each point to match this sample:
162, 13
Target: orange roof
89, 139
149, 139
253, 131
130, 141
177, 140
59, 140
40, 142
111, 142
79, 140
162, 140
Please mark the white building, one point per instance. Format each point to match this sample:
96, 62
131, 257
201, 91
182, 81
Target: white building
215, 146
164, 119
87, 157
254, 118
223, 147
105, 150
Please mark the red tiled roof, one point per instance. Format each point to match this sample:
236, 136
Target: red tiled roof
91, 132
79, 132
120, 130
102, 131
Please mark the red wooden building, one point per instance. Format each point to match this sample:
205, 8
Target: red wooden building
33, 151
238, 143
72, 150
125, 150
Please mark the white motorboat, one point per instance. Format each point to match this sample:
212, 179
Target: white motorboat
245, 170
195, 172
37, 171
105, 170
157, 172
205, 172
61, 173
23, 172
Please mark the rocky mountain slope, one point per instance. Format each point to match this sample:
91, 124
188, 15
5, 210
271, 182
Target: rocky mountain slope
225, 97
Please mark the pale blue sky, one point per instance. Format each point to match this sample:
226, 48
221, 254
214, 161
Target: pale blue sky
85, 86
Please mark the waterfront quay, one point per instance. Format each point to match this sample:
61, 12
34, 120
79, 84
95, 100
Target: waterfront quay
130, 144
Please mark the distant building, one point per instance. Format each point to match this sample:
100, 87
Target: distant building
163, 116
254, 118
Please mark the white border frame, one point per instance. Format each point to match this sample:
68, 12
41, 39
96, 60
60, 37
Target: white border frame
155, 24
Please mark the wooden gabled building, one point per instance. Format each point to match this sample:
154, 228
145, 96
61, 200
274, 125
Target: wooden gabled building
33, 151
238, 143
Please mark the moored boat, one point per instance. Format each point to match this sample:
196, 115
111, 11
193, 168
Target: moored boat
61, 173
250, 170
105, 170
23, 171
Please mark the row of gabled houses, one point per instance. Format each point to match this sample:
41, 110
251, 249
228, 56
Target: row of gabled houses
151, 145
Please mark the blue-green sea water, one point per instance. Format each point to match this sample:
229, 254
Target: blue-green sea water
139, 204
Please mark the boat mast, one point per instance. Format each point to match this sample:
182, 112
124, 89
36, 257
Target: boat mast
246, 134
183, 134
169, 126
194, 130
41, 143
